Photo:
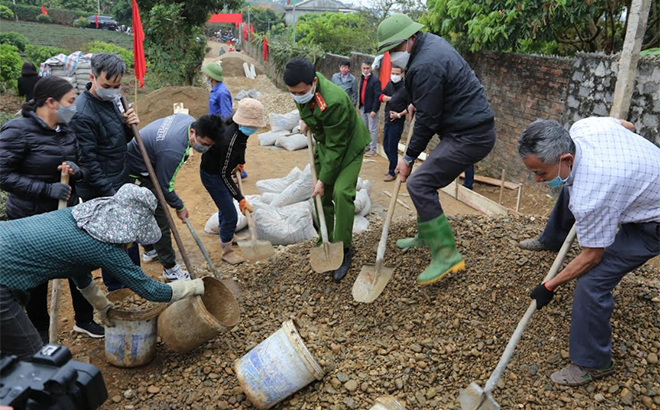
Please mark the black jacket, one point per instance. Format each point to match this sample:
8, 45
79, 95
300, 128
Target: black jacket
372, 93
447, 95
399, 101
30, 152
26, 86
225, 155
102, 138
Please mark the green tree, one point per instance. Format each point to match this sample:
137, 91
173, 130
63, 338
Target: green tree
337, 33
10, 67
194, 12
122, 11
262, 18
547, 26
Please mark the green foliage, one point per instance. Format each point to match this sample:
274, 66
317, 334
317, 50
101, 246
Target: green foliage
545, 26
65, 37
122, 11
80, 22
337, 32
15, 39
175, 48
66, 16
260, 17
58, 15
651, 52
3, 194
38, 54
193, 12
6, 13
101, 47
10, 67
281, 52
44, 19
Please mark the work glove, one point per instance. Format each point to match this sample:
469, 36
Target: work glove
96, 298
186, 288
58, 190
243, 205
542, 295
77, 172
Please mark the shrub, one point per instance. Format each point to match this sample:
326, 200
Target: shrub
15, 39
3, 204
44, 18
102, 47
58, 16
6, 13
10, 67
38, 54
81, 22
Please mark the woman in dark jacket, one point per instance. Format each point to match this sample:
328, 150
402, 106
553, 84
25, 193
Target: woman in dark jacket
34, 149
27, 81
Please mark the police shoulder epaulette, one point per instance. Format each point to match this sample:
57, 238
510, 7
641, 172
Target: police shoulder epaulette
321, 102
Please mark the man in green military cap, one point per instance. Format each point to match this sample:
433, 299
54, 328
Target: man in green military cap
449, 101
341, 138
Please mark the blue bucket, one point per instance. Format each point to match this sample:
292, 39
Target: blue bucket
276, 368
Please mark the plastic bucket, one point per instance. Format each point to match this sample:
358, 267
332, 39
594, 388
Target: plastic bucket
387, 403
131, 342
191, 322
276, 368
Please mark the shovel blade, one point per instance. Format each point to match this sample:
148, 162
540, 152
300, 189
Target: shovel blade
474, 398
256, 252
326, 257
370, 283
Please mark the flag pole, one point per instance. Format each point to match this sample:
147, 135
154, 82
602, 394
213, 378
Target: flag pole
135, 101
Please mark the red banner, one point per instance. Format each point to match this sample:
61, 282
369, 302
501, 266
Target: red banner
235, 18
44, 11
245, 32
265, 48
138, 49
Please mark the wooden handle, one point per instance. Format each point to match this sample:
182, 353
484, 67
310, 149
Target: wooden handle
248, 216
319, 204
159, 193
56, 284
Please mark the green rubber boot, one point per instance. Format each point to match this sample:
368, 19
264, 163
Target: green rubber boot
416, 242
445, 258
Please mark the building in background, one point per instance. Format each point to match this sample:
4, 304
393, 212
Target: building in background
315, 7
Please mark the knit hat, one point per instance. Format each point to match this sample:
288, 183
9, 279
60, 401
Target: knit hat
124, 218
213, 70
250, 113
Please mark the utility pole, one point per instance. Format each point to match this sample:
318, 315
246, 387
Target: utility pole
294, 23
249, 26
98, 7
15, 14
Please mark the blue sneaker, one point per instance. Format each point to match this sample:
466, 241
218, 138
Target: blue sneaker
243, 175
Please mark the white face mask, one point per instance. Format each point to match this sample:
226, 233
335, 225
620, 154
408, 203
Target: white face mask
395, 78
304, 99
366, 73
400, 58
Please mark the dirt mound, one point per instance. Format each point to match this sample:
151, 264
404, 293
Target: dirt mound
419, 344
159, 103
232, 64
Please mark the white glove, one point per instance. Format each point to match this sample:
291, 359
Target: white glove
186, 288
96, 298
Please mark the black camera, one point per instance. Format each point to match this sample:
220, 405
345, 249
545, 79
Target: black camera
50, 381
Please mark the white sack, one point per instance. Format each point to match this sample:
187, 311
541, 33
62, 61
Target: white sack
284, 122
278, 184
269, 138
362, 202
292, 143
298, 191
283, 228
360, 224
212, 225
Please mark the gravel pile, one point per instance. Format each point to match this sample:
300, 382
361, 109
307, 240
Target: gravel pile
421, 345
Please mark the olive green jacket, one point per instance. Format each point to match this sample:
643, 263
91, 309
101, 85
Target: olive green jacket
340, 134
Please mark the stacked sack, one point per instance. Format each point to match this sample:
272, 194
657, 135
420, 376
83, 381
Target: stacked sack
75, 68
284, 212
284, 132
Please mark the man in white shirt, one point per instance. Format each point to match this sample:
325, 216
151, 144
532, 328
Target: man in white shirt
610, 178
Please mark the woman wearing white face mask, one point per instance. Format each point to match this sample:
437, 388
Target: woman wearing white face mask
35, 149
396, 98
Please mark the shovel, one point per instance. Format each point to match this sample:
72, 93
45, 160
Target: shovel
231, 284
372, 279
329, 256
476, 398
55, 287
253, 249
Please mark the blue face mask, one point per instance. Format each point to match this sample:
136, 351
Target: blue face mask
247, 130
304, 99
557, 181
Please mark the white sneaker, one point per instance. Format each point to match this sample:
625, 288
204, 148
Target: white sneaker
175, 273
149, 256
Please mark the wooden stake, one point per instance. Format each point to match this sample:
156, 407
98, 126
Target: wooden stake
519, 196
502, 186
400, 202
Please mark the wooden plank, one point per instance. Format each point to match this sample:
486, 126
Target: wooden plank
400, 202
493, 181
475, 200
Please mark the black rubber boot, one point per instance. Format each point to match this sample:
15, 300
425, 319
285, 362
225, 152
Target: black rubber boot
339, 274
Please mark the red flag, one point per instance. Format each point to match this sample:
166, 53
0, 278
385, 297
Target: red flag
138, 49
96, 20
265, 48
385, 69
44, 11
251, 28
245, 35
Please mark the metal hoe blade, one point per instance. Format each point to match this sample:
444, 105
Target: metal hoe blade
474, 398
326, 257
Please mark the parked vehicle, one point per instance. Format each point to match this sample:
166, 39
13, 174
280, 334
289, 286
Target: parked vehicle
105, 23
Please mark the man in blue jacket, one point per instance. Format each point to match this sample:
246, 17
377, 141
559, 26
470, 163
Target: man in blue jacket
449, 101
369, 97
168, 142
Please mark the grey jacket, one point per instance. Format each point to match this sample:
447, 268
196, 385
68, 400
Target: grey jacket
167, 142
348, 84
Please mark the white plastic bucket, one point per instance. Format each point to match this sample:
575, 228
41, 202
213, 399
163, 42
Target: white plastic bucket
276, 368
387, 403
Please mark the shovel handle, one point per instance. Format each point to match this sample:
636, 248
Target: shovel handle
319, 204
382, 245
56, 285
201, 248
159, 193
517, 334
248, 216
